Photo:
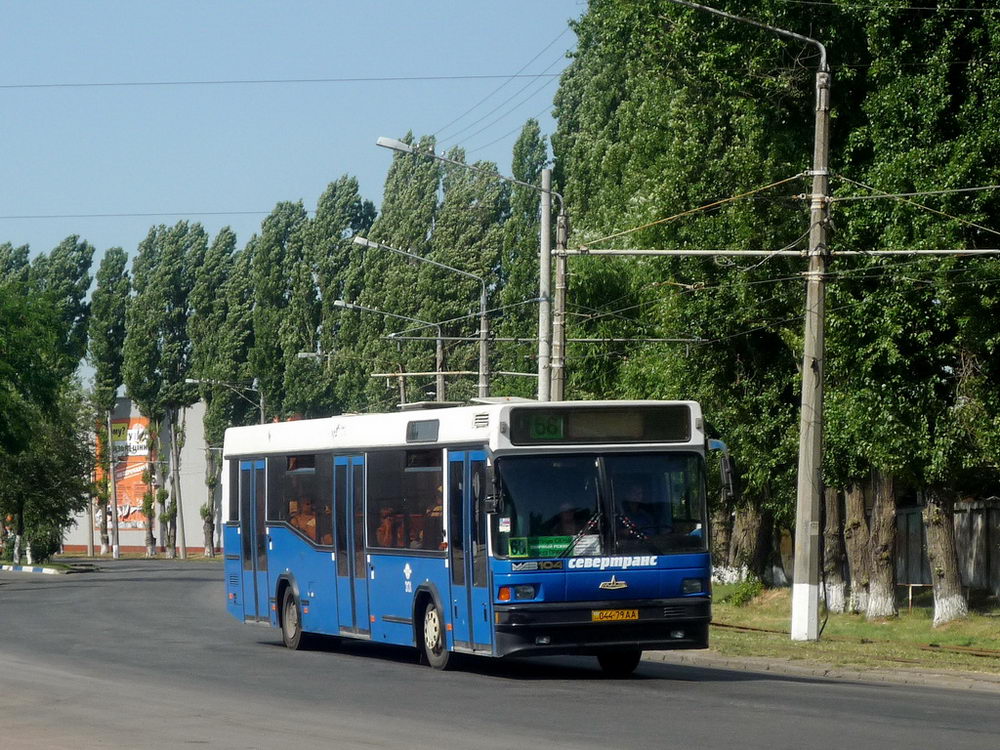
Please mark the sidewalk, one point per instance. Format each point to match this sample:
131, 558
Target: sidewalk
978, 681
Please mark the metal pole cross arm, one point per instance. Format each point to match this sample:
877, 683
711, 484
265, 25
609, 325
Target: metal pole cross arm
484, 359
439, 349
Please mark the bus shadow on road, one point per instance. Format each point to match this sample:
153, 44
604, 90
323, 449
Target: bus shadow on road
535, 669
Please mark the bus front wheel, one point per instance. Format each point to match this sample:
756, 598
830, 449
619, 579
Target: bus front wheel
435, 647
620, 663
291, 622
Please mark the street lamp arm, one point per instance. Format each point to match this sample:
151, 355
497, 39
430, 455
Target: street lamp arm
758, 24
406, 148
365, 242
237, 389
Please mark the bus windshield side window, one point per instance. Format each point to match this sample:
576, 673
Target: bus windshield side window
405, 499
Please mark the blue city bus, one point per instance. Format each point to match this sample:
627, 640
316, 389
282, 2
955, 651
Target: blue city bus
500, 529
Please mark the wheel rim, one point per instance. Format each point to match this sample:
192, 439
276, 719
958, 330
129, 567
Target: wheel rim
432, 630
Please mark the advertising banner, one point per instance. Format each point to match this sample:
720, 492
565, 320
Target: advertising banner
131, 452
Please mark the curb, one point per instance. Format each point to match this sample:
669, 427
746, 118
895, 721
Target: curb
31, 569
980, 682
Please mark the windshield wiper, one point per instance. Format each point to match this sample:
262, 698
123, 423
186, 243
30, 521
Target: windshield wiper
589, 526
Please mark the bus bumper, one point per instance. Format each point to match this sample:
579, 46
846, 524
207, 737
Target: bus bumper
574, 627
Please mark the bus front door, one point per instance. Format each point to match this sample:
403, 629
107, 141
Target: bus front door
352, 566
470, 601
253, 535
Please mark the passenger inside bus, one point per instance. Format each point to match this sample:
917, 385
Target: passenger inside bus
304, 518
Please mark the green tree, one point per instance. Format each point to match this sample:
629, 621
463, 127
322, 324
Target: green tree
274, 253
64, 276
468, 235
106, 340
406, 221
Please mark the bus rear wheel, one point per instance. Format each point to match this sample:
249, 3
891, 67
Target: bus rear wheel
619, 663
291, 622
434, 646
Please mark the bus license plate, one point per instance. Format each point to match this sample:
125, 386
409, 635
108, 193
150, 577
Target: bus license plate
613, 615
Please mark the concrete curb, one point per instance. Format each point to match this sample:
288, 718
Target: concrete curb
981, 682
31, 569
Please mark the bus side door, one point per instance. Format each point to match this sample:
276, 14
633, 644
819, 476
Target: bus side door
352, 567
253, 532
470, 600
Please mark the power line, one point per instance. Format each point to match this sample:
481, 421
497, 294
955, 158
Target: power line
143, 214
502, 85
528, 85
270, 81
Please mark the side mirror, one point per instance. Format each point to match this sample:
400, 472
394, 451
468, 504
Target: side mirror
727, 469
492, 500
492, 504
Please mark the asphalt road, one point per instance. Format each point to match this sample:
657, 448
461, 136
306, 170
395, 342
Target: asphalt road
143, 655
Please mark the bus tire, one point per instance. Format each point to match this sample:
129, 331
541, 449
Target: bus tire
435, 645
291, 621
619, 663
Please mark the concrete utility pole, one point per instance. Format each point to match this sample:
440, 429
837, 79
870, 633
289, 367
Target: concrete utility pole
805, 589
559, 319
545, 290
809, 494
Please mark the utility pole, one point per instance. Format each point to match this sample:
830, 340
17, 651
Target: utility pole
559, 319
809, 493
545, 290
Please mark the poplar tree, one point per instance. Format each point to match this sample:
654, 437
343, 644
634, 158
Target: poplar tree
274, 252
207, 330
384, 281
106, 340
340, 214
63, 275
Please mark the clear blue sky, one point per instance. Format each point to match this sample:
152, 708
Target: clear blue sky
190, 150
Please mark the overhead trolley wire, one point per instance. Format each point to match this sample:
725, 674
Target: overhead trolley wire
691, 211
269, 81
508, 80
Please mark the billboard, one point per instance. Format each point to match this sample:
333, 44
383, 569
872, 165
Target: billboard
129, 442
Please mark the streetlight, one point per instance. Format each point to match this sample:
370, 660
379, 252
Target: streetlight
805, 577
551, 334
484, 352
439, 349
237, 389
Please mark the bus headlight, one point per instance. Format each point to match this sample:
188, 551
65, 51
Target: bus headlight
521, 591
692, 586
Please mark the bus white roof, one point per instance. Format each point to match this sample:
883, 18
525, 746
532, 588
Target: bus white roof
476, 424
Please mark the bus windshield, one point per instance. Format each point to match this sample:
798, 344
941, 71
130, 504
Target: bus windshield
579, 505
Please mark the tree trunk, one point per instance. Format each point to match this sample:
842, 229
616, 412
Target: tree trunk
722, 533
882, 582
833, 553
856, 539
103, 526
209, 532
939, 523
748, 549
113, 491
176, 441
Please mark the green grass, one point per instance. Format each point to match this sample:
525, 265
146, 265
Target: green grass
907, 641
